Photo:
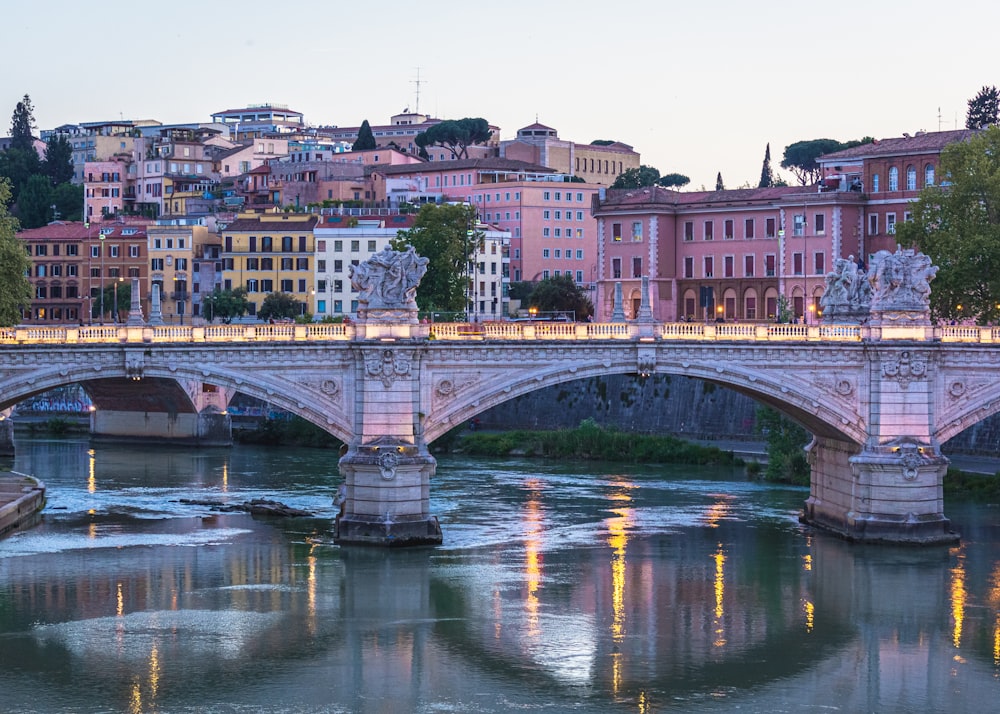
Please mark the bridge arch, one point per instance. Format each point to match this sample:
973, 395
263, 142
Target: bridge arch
821, 414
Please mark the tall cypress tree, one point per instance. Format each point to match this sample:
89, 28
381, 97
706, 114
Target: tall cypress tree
984, 109
719, 186
365, 140
766, 174
22, 124
58, 164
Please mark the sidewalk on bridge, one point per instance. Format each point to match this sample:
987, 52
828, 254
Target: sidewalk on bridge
757, 451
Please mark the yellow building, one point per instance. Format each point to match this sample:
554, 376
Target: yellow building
269, 253
173, 246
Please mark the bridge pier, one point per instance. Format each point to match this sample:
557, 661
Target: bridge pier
887, 494
6, 433
388, 496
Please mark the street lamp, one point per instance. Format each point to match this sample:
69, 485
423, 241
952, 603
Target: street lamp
101, 244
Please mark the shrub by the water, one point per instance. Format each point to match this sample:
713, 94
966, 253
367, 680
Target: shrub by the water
965, 486
287, 432
592, 442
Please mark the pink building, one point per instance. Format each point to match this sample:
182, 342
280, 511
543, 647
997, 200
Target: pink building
734, 254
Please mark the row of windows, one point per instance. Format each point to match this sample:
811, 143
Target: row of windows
558, 196
267, 243
749, 266
890, 223
177, 263
556, 273
56, 271
559, 232
56, 291
911, 178
749, 228
558, 253
159, 243
602, 166
114, 251
506, 197
266, 285
43, 249
558, 215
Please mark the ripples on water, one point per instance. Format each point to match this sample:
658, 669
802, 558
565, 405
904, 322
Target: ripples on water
560, 587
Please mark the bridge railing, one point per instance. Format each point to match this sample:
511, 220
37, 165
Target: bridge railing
575, 331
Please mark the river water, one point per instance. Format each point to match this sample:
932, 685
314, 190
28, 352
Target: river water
561, 587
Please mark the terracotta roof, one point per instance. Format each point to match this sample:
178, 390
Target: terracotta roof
489, 164
922, 143
659, 195
75, 230
245, 225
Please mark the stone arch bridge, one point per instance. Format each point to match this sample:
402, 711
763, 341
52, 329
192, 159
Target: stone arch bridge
879, 400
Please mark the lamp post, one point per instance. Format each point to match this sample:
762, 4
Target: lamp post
101, 244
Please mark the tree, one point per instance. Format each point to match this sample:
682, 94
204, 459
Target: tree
637, 178
603, 142
719, 186
22, 125
365, 140
671, 180
984, 109
786, 442
957, 225
58, 164
456, 135
225, 304
279, 306
766, 174
18, 165
800, 158
15, 290
34, 207
561, 294
68, 200
117, 300
446, 236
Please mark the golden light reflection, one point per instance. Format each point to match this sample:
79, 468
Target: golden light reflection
225, 476
618, 530
154, 672
532, 554
996, 641
807, 562
92, 528
959, 596
91, 472
810, 614
311, 588
720, 591
642, 704
135, 700
120, 606
717, 512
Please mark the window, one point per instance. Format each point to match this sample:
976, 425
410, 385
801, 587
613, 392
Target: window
748, 226
875, 183
133, 251
873, 224
769, 266
796, 263
558, 253
819, 221
769, 228
747, 266
819, 263
688, 230
636, 231
929, 175
799, 224
709, 227
616, 268
267, 263
750, 307
156, 263
253, 263
286, 285
579, 255
72, 249
616, 232
545, 252
338, 246
890, 223
558, 232
355, 246
252, 285
95, 251
338, 286
728, 266
72, 271
266, 244
546, 232
636, 267
727, 229
302, 263
286, 263
41, 249
579, 215
338, 266
558, 213
688, 267
338, 305
911, 178
893, 179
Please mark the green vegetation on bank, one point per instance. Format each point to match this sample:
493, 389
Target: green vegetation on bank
590, 441
287, 432
786, 441
975, 488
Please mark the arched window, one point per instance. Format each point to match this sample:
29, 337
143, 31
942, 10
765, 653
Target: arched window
929, 175
875, 186
911, 178
893, 179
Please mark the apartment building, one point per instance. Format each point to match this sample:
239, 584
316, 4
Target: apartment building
599, 163
176, 247
271, 252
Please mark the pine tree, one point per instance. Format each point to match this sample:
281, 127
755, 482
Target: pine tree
365, 140
984, 109
719, 186
22, 124
766, 174
58, 164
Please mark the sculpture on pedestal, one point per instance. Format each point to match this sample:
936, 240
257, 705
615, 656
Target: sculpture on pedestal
387, 284
847, 297
900, 285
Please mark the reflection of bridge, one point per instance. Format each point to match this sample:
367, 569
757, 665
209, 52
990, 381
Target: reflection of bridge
879, 400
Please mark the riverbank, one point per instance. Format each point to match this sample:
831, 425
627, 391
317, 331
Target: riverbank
21, 501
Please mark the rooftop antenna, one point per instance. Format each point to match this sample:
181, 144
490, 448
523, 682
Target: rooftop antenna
418, 83
939, 118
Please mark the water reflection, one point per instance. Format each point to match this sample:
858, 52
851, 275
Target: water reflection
642, 591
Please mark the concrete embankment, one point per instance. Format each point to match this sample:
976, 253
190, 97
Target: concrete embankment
21, 501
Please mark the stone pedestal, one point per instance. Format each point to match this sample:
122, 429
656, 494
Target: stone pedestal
388, 495
893, 495
6, 435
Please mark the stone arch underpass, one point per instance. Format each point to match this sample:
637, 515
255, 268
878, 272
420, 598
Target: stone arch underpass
879, 410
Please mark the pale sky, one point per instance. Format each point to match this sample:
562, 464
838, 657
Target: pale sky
696, 87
